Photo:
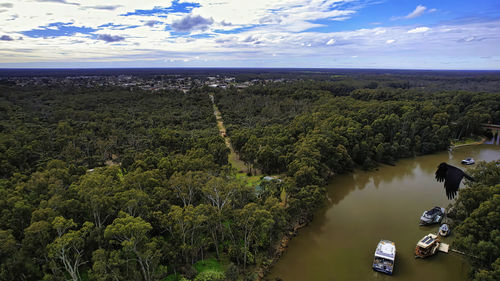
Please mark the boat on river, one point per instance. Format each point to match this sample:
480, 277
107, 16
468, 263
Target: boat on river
429, 245
434, 215
385, 255
468, 161
444, 230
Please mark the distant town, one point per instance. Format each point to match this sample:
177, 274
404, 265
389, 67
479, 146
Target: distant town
152, 83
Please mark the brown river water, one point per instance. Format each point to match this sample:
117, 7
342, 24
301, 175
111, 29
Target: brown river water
367, 206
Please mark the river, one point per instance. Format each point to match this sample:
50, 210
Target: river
367, 206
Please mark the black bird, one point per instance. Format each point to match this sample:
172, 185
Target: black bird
452, 176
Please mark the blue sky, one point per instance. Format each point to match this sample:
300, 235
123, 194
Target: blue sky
258, 33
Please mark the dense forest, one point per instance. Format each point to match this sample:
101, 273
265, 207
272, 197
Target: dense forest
327, 127
111, 184
477, 215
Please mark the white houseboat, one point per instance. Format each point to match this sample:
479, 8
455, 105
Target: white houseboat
385, 255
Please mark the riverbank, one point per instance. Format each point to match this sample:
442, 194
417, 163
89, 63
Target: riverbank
281, 248
467, 143
368, 206
339, 195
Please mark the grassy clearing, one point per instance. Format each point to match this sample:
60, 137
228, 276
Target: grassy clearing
207, 265
210, 264
172, 277
235, 161
249, 180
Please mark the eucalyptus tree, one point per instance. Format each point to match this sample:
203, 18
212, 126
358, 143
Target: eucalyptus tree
69, 246
251, 221
131, 234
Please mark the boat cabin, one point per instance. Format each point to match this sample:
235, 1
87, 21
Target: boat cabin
385, 255
427, 246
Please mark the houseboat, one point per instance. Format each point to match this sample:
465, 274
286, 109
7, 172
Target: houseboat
385, 255
429, 245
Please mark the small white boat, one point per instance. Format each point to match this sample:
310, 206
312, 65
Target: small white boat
431, 216
385, 255
468, 161
444, 230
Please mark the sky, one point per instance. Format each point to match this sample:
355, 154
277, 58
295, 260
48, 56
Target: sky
399, 34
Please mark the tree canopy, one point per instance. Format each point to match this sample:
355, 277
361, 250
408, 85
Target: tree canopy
104, 183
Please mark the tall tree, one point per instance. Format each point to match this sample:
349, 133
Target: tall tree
131, 233
251, 221
69, 246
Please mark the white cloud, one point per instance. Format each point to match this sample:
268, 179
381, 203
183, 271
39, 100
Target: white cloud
419, 29
279, 27
190, 22
419, 10
292, 15
89, 13
282, 15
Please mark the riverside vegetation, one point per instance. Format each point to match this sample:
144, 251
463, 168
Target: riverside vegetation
107, 184
477, 214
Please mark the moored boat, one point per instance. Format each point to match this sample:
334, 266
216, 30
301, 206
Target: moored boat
385, 255
444, 230
468, 161
427, 246
431, 216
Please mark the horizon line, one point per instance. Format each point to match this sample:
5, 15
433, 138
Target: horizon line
241, 67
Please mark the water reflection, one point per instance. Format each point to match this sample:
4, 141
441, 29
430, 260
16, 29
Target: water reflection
430, 167
495, 140
361, 179
338, 192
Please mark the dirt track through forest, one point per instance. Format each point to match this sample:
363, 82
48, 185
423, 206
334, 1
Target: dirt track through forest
234, 159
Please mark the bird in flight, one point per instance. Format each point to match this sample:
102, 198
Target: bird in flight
452, 176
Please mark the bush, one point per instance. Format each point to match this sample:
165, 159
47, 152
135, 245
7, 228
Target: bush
210, 275
232, 272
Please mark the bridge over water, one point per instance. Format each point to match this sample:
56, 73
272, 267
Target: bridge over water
495, 129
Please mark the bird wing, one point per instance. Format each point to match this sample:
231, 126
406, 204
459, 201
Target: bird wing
452, 181
452, 176
441, 172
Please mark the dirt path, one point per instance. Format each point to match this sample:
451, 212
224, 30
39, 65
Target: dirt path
233, 158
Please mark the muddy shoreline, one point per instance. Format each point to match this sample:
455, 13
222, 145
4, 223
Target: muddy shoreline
282, 246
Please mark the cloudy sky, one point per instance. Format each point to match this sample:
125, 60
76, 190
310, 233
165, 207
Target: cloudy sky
444, 34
